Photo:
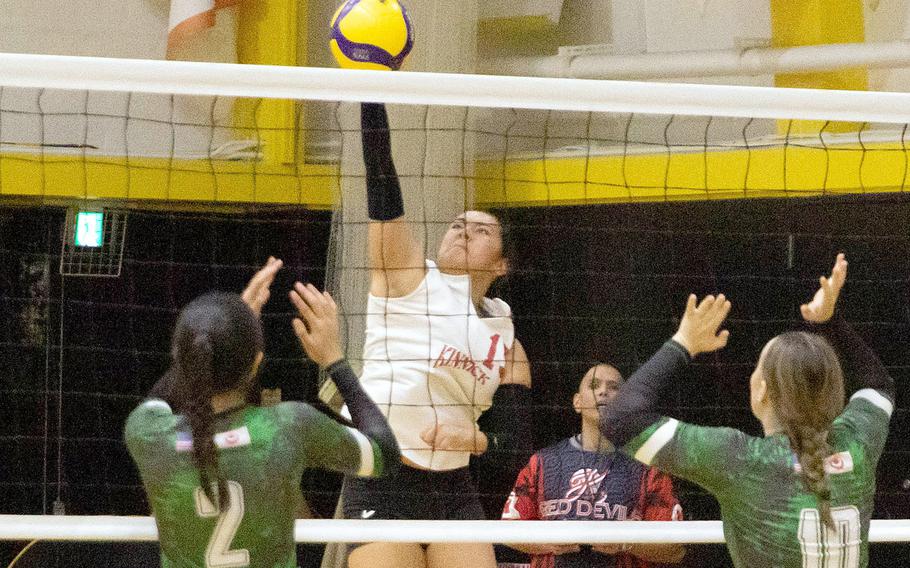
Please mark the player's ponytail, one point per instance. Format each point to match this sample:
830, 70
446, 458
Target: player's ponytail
195, 364
806, 387
811, 447
215, 344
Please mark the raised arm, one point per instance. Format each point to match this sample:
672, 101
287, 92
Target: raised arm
317, 329
396, 256
633, 409
862, 367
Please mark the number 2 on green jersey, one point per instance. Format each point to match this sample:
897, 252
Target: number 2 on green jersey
826, 548
218, 553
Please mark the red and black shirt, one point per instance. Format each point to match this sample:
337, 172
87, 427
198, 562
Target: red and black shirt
566, 483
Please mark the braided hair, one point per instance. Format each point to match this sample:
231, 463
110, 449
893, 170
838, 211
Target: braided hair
215, 344
806, 387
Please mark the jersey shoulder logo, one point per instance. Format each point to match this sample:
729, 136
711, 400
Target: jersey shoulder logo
841, 462
224, 440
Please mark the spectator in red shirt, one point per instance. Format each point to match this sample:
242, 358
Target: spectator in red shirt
584, 478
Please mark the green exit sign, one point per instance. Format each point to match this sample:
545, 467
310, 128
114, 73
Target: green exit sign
89, 229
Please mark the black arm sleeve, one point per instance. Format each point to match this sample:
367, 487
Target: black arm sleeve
384, 202
509, 430
507, 424
365, 415
862, 367
632, 411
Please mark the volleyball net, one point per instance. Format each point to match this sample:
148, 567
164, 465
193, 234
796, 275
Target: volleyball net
621, 198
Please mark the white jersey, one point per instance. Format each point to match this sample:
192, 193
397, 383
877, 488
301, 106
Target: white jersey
429, 359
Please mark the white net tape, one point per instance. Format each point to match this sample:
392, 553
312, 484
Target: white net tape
142, 529
223, 79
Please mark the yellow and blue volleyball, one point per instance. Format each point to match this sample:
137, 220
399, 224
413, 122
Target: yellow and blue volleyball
371, 34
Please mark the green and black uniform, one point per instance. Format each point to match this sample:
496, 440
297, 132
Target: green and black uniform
770, 518
262, 453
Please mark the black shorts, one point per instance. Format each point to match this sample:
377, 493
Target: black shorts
413, 494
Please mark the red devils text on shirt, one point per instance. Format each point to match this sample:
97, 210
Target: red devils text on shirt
566, 483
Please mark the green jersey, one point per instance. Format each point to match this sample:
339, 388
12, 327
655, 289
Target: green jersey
262, 453
770, 518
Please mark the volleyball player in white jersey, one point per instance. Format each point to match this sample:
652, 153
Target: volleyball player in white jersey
437, 354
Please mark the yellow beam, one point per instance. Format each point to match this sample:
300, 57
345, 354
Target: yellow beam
524, 33
766, 172
815, 22
267, 35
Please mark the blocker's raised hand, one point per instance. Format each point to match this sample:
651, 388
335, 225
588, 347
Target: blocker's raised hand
317, 326
257, 291
821, 308
699, 331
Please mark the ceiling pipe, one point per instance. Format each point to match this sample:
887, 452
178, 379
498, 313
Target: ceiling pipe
684, 64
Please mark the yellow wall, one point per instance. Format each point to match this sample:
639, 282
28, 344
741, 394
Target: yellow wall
816, 22
792, 171
161, 180
267, 34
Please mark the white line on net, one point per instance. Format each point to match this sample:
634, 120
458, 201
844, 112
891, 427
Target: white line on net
142, 529
263, 81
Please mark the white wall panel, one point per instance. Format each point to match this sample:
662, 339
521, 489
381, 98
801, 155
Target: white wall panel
116, 124
687, 25
106, 28
890, 21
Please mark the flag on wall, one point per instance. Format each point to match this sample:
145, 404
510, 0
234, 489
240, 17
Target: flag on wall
190, 17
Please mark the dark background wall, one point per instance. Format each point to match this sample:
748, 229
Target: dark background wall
591, 283
115, 346
606, 283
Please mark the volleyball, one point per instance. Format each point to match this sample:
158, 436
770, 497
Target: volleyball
371, 34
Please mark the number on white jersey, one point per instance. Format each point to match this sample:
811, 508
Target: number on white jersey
218, 554
826, 548
494, 341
